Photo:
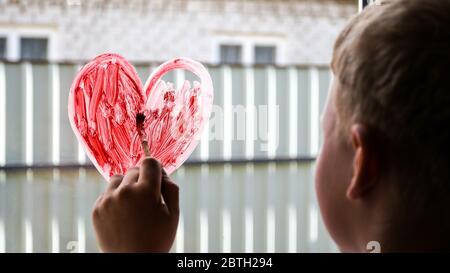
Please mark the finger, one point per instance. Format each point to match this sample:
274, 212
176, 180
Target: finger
150, 174
97, 205
98, 200
170, 193
115, 181
130, 177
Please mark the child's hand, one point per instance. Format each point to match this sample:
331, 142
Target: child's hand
130, 216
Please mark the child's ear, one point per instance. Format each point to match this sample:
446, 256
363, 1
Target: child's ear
365, 165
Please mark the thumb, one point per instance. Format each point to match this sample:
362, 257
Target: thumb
150, 173
170, 193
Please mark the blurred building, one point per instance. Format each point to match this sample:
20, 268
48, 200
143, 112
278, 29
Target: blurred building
211, 31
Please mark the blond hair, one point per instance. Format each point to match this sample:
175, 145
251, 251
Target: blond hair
392, 65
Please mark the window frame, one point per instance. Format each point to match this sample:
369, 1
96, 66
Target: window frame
13, 35
248, 43
22, 38
230, 45
274, 47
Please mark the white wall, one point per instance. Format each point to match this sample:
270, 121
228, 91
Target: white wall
302, 30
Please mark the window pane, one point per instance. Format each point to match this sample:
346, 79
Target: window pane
33, 48
2, 48
264, 55
230, 54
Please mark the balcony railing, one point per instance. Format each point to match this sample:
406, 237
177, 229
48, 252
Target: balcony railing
235, 206
35, 131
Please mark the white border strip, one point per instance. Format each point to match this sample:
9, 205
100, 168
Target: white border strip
81, 235
81, 226
272, 133
28, 228
81, 153
55, 235
271, 217
228, 112
226, 229
313, 224
250, 116
270, 229
249, 218
28, 236
2, 220
2, 115
179, 240
293, 112
204, 232
226, 213
292, 228
2, 236
28, 73
54, 212
248, 230
314, 102
204, 143
180, 77
56, 89
180, 235
292, 209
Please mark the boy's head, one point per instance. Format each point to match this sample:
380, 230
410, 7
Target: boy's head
384, 169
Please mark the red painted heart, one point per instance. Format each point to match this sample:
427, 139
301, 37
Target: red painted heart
111, 114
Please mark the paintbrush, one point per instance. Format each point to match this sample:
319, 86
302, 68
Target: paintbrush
140, 118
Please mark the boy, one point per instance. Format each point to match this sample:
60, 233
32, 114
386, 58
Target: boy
383, 173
